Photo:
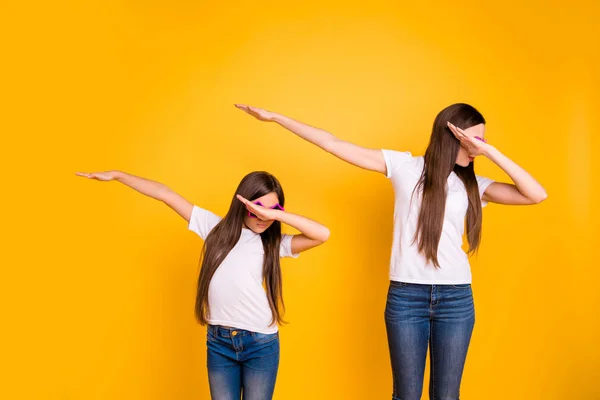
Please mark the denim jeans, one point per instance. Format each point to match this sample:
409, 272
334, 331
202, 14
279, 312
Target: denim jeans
241, 364
439, 316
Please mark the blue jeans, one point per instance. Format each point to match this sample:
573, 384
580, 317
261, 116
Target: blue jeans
418, 316
241, 363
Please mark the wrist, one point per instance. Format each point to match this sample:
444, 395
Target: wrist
278, 215
281, 216
117, 175
275, 117
489, 150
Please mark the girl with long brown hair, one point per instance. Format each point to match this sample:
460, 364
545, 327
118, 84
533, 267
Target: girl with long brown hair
241, 253
430, 302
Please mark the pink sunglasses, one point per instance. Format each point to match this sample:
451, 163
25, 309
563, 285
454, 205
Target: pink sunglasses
482, 139
258, 203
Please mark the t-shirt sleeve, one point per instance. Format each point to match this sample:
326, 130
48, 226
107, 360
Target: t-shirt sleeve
394, 160
285, 248
483, 184
202, 221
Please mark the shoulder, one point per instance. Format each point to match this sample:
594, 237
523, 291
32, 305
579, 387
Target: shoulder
398, 161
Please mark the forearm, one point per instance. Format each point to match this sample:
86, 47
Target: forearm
144, 186
527, 185
351, 153
316, 136
309, 228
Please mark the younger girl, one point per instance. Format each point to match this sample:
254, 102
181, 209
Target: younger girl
241, 252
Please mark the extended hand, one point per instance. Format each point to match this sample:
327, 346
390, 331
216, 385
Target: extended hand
258, 113
99, 176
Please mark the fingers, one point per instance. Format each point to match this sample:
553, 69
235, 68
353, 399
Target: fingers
250, 206
452, 129
457, 131
459, 134
254, 111
246, 108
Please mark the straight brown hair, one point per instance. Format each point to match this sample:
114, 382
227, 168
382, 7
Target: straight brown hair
440, 161
224, 236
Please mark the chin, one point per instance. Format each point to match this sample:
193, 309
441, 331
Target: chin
257, 229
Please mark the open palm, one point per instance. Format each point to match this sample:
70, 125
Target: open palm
258, 113
261, 212
475, 146
99, 176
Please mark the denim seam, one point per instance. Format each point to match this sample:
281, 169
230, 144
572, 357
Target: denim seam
235, 349
432, 377
394, 380
275, 336
461, 287
210, 335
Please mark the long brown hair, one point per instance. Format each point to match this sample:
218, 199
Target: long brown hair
224, 236
440, 161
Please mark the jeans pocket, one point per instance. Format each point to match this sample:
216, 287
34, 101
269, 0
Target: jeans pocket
210, 335
264, 337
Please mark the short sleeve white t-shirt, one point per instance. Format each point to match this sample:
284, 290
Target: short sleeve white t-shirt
407, 264
236, 295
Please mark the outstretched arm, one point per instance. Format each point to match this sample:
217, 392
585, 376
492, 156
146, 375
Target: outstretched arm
362, 157
146, 187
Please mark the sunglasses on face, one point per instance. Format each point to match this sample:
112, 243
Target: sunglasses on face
258, 203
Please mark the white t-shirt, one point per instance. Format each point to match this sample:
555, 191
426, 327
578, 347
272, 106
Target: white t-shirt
407, 264
236, 295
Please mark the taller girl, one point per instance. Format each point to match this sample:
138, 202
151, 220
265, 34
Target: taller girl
430, 302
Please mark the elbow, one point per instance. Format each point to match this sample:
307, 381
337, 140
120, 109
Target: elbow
324, 236
331, 144
164, 193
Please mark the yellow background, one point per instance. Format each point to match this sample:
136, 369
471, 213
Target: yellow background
98, 282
